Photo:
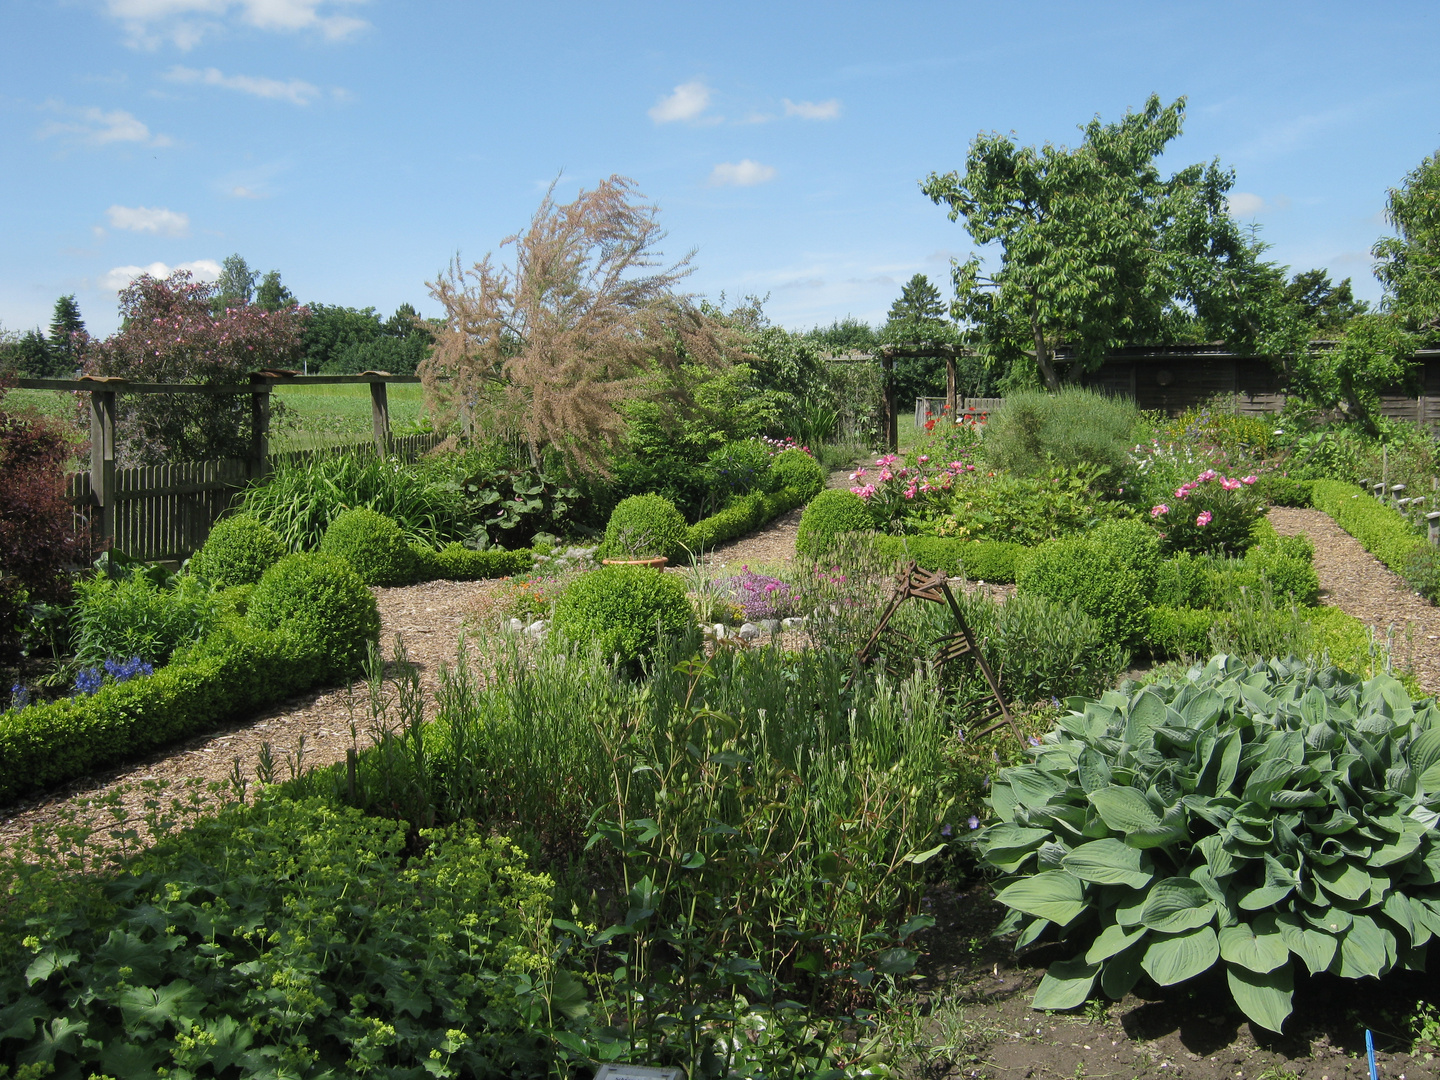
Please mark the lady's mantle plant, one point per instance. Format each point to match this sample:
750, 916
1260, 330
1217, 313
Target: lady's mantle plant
1250, 817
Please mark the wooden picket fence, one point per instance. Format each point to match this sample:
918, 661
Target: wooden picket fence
165, 512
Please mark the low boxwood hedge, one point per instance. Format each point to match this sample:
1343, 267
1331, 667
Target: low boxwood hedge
744, 514
456, 562
978, 560
1381, 530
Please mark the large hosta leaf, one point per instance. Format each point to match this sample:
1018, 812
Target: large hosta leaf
1256, 946
1366, 949
1264, 998
1067, 983
1124, 809
1108, 862
1177, 904
1173, 958
1113, 939
1053, 895
1315, 947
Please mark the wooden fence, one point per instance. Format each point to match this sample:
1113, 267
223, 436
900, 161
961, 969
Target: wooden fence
929, 407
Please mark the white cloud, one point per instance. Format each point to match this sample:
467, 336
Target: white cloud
1247, 204
295, 91
813, 110
183, 23
745, 173
118, 278
687, 102
99, 128
143, 219
239, 191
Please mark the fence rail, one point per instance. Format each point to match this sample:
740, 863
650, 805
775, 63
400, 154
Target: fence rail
927, 407
165, 512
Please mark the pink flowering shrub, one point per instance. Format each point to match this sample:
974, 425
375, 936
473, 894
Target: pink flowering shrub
757, 595
1212, 513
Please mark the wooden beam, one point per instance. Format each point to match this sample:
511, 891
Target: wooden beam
102, 462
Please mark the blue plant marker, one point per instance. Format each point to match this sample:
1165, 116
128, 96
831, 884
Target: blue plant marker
1370, 1053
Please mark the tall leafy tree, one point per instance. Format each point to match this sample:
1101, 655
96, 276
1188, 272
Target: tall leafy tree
65, 328
1320, 303
271, 294
1408, 265
235, 287
1095, 245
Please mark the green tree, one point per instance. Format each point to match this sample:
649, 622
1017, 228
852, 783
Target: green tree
918, 304
271, 294
1096, 247
30, 354
65, 326
235, 287
845, 336
1409, 264
1320, 303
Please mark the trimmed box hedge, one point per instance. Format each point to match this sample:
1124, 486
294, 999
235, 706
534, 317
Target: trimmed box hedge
978, 560
456, 562
1381, 530
744, 514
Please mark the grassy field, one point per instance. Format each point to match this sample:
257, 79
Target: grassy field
324, 415
311, 415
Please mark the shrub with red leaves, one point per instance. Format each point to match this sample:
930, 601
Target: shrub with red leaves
172, 333
37, 541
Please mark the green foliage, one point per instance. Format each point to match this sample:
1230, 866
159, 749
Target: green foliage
1381, 530
231, 673
798, 472
1292, 578
323, 603
1345, 641
1374, 354
978, 560
622, 609
742, 516
455, 562
238, 550
134, 616
643, 527
1280, 490
827, 516
508, 499
1238, 816
1409, 264
169, 972
342, 340
1092, 575
1034, 431
1041, 650
1022, 510
299, 501
373, 546
1136, 546
1097, 248
1180, 633
738, 468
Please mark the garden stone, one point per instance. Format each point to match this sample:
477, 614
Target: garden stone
795, 622
514, 626
748, 631
718, 630
536, 629
770, 626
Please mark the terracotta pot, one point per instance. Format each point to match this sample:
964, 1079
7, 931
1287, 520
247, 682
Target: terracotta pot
657, 563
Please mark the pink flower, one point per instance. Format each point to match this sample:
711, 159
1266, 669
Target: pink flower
1230, 485
956, 466
1248, 479
1208, 474
1182, 491
1203, 519
924, 458
864, 492
858, 474
886, 475
970, 468
1156, 511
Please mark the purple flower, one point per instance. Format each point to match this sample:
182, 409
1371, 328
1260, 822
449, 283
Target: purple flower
973, 821
945, 830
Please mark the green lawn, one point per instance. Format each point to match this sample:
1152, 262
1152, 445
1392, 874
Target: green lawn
324, 415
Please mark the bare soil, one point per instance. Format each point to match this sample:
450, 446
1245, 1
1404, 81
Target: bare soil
971, 1016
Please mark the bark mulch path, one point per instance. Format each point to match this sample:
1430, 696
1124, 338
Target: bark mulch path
1358, 583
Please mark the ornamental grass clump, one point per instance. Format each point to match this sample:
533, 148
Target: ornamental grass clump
1243, 816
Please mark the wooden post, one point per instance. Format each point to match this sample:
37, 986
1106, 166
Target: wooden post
102, 462
892, 419
951, 402
1432, 519
259, 463
380, 414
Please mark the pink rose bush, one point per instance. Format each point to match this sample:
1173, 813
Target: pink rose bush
1212, 513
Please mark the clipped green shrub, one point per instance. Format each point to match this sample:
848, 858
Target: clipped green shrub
1381, 530
1135, 545
743, 515
827, 516
235, 670
1034, 430
372, 544
133, 616
323, 603
238, 550
642, 527
739, 468
182, 921
798, 472
455, 562
1280, 490
1287, 576
1041, 649
1345, 641
1083, 571
1179, 633
622, 609
1422, 571
1246, 817
978, 560
1181, 582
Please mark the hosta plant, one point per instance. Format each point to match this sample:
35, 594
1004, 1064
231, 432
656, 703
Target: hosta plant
1253, 817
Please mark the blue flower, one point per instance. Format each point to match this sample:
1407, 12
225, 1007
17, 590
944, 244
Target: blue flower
945, 830
973, 821
19, 696
124, 671
88, 680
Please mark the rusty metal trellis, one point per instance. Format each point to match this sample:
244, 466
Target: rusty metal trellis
917, 584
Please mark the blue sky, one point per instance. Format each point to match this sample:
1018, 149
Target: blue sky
357, 146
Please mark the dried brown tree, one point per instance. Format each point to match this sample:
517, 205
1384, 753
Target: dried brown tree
587, 318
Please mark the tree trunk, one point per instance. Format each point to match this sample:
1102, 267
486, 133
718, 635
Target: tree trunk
1042, 355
